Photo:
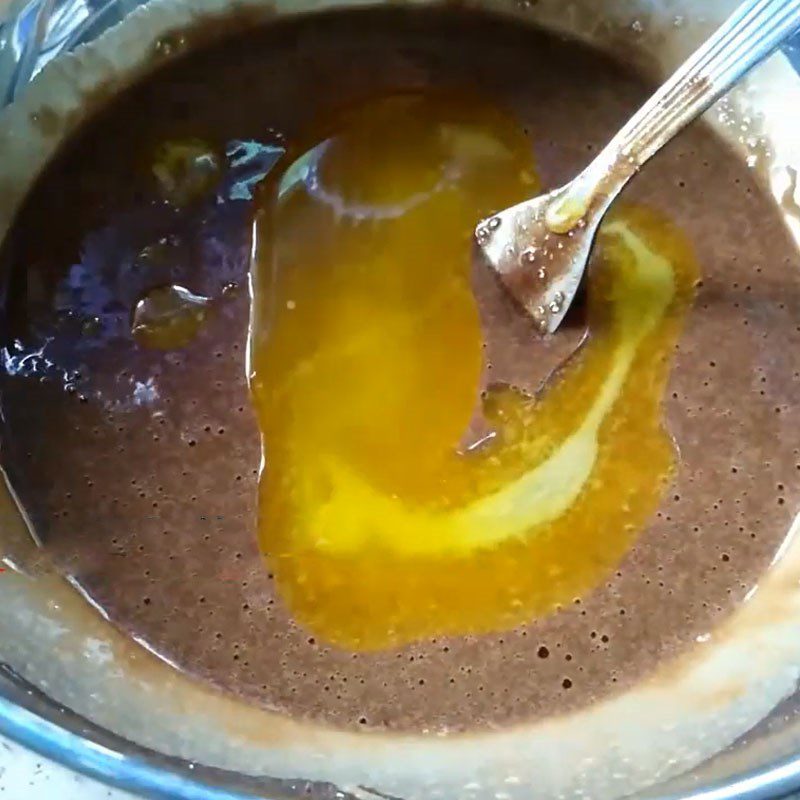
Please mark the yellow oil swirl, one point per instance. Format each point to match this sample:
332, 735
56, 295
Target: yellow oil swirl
366, 354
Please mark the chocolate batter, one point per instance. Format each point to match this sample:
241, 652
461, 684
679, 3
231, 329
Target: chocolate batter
139, 466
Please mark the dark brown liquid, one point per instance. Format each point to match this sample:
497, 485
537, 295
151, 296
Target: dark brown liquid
139, 466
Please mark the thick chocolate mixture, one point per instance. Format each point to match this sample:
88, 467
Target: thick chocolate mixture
139, 467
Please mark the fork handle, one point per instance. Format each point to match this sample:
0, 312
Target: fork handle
754, 30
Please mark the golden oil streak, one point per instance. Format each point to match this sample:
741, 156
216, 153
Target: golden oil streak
371, 547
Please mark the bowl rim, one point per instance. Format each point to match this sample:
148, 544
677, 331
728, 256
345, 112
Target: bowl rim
119, 763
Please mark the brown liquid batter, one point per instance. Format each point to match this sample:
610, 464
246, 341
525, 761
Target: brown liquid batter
139, 466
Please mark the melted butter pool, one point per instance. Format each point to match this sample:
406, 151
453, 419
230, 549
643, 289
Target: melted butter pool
366, 358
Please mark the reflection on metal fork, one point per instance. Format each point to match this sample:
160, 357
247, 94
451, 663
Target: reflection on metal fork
540, 248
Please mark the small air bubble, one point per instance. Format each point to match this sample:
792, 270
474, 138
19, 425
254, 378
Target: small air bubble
170, 44
556, 303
